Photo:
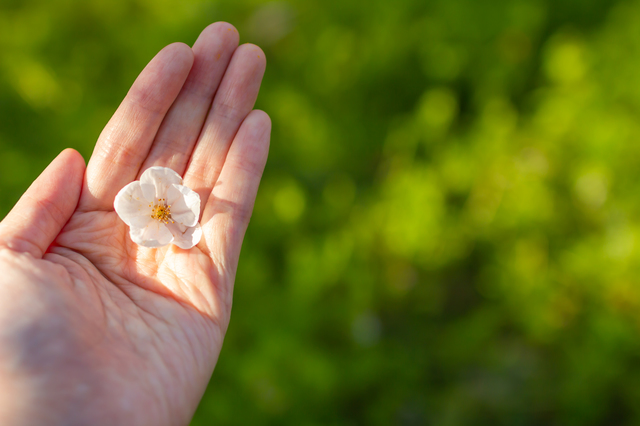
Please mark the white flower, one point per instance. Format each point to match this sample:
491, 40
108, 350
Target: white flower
160, 210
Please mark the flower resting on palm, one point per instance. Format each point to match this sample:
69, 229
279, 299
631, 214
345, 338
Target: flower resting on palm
160, 210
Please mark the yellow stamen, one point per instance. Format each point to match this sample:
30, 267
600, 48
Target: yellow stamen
161, 212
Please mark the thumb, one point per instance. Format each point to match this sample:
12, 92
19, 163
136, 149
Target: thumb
38, 217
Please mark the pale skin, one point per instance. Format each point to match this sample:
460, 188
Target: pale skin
95, 330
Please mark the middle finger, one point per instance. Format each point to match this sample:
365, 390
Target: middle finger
181, 126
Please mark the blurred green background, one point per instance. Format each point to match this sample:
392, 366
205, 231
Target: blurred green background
448, 229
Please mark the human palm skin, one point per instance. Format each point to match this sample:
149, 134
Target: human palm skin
95, 329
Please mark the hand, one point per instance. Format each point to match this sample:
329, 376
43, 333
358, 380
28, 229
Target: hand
93, 328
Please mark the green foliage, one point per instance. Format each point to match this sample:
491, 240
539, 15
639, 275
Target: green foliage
446, 230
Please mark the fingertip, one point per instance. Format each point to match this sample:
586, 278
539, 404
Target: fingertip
220, 26
255, 52
74, 158
251, 145
160, 81
260, 120
252, 55
226, 25
179, 52
37, 218
222, 31
215, 46
70, 164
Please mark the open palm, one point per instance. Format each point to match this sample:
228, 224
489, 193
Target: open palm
95, 329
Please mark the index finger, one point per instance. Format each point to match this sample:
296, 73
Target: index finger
124, 143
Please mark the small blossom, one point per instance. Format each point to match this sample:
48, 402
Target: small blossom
160, 210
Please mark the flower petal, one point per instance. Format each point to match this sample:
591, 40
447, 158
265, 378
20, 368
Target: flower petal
185, 237
185, 205
132, 204
154, 235
161, 178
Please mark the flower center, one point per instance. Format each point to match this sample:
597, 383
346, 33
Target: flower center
161, 211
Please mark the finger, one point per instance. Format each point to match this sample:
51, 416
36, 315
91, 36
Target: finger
125, 141
229, 208
180, 129
38, 217
233, 102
